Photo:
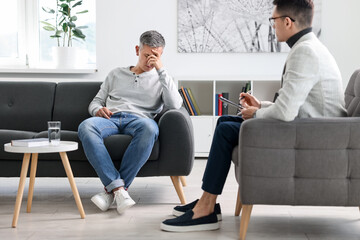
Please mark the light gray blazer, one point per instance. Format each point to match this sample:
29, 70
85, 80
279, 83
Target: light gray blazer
312, 85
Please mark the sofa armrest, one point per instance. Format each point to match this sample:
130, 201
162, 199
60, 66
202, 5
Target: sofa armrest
287, 162
176, 143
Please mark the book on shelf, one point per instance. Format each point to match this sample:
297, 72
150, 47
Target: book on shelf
184, 102
194, 102
33, 142
191, 103
187, 101
225, 107
216, 104
220, 104
248, 86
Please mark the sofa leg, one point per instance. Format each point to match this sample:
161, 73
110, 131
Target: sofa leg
238, 204
183, 180
178, 187
244, 222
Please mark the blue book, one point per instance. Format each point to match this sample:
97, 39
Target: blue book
216, 104
191, 103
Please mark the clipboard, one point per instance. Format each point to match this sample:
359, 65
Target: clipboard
231, 103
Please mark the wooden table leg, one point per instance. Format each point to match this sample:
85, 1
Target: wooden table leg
24, 169
34, 161
70, 176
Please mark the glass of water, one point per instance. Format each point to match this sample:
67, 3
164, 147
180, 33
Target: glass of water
54, 132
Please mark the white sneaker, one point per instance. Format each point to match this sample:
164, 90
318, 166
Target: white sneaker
123, 200
103, 200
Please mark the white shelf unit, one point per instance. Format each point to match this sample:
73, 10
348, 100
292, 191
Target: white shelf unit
204, 90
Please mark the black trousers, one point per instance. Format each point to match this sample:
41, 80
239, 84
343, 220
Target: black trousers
226, 137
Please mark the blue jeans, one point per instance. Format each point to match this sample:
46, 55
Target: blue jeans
226, 137
144, 132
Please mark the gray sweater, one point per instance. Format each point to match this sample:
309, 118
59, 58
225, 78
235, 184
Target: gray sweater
144, 95
312, 84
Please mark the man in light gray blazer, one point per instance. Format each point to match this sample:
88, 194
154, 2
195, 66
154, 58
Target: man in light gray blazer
311, 87
311, 84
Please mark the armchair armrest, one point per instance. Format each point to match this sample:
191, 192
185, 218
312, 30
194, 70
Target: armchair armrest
176, 143
288, 162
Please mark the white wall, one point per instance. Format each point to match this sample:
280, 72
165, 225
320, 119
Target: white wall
120, 22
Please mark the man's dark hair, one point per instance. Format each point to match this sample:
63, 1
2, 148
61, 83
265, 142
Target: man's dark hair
152, 39
300, 10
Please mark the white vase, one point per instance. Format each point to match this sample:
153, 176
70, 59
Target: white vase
66, 57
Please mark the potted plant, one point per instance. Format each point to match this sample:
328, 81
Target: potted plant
64, 28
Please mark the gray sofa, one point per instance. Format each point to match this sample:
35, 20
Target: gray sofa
304, 162
25, 108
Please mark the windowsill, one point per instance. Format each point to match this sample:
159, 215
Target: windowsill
85, 70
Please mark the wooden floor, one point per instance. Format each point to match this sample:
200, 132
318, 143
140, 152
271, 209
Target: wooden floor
55, 216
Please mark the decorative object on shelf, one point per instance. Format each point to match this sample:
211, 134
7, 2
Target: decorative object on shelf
65, 31
221, 26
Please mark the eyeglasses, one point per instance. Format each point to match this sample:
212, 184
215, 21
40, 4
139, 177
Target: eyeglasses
272, 19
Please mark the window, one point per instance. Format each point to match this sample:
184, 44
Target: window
83, 19
12, 33
23, 40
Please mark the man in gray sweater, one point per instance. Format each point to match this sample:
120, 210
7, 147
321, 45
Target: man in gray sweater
311, 87
127, 102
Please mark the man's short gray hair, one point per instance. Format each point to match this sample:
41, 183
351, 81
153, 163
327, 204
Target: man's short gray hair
152, 39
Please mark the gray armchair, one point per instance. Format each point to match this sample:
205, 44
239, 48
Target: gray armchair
313, 161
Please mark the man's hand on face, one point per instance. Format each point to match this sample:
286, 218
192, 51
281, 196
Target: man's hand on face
154, 60
104, 112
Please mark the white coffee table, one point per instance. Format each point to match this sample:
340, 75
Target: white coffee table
62, 148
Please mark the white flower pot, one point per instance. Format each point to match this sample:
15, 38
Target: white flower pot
67, 57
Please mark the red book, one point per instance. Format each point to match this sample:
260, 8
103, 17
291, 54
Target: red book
220, 106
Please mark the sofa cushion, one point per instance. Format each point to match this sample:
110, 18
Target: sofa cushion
26, 106
72, 101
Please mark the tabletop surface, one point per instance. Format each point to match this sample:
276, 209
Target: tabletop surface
64, 146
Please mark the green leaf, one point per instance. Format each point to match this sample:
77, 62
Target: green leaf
64, 5
58, 32
48, 10
79, 36
46, 23
78, 33
48, 28
77, 4
77, 30
71, 24
65, 27
65, 13
85, 11
82, 27
73, 18
62, 0
55, 36
62, 20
